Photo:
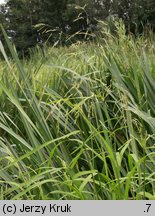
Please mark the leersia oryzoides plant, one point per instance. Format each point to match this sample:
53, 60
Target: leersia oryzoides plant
80, 124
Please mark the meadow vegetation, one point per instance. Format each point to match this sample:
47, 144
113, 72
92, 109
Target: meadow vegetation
78, 122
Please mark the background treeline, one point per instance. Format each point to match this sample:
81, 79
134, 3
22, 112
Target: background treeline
31, 22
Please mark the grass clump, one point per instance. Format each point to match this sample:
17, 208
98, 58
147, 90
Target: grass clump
79, 122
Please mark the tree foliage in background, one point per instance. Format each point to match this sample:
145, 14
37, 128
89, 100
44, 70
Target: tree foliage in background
136, 14
3, 20
22, 16
57, 20
51, 15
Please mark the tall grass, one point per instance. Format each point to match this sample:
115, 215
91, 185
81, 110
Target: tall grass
79, 122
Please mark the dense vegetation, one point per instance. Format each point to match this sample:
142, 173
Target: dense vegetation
78, 122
